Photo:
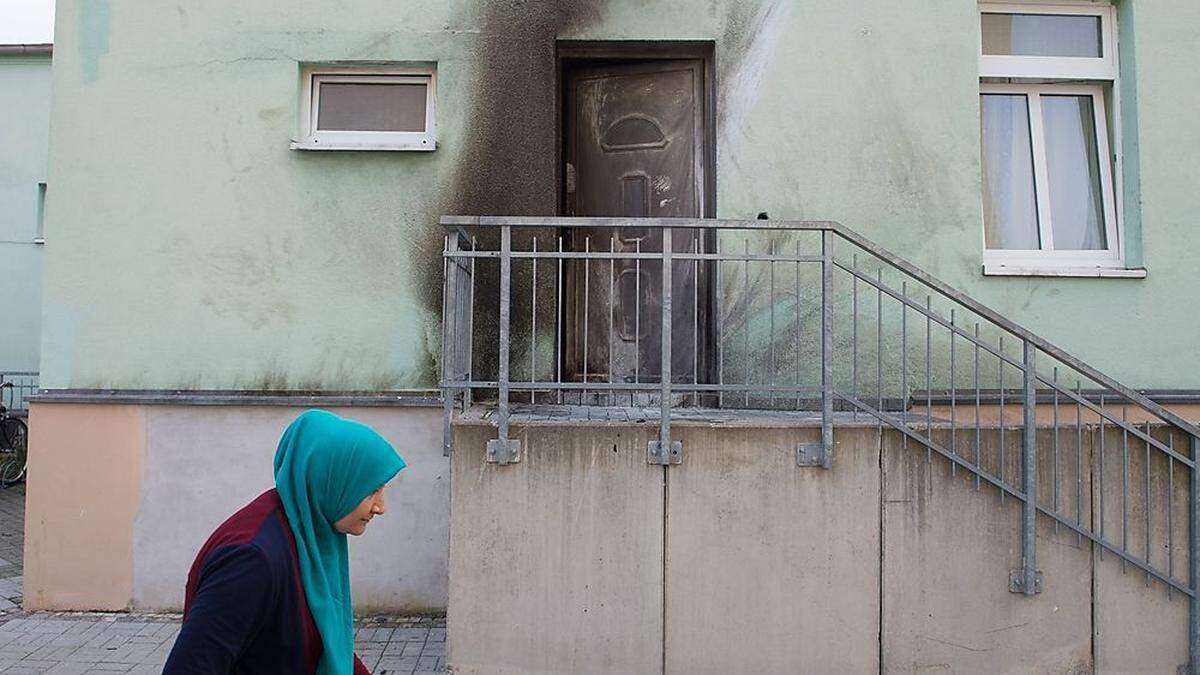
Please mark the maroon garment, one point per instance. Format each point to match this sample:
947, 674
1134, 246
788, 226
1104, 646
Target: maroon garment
245, 609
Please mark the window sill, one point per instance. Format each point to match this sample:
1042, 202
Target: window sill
374, 147
995, 270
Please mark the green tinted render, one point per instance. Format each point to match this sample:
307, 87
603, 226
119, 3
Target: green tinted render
193, 249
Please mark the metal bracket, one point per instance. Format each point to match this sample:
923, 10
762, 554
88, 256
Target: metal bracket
1016, 581
812, 454
655, 454
503, 451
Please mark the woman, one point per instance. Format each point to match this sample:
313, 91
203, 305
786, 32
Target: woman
270, 590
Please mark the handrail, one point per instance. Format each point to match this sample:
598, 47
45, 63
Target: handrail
1013, 328
858, 240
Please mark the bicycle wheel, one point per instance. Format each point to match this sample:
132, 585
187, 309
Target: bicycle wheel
15, 440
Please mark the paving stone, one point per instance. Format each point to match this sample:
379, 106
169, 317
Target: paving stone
70, 669
403, 634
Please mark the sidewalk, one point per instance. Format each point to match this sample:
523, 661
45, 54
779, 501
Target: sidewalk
69, 643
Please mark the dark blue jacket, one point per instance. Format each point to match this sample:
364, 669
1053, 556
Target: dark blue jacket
245, 610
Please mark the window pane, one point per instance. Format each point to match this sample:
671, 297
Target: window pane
1010, 218
346, 106
1076, 207
1042, 35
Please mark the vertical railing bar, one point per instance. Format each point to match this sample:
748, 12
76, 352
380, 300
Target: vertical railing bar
1029, 474
770, 379
827, 347
1147, 502
1124, 484
929, 380
612, 315
533, 325
904, 363
1079, 461
1054, 470
978, 458
587, 292
471, 330
1101, 491
665, 357
746, 325
953, 434
637, 317
558, 329
854, 338
720, 329
448, 345
1170, 507
1001, 385
1194, 557
696, 317
505, 307
798, 324
878, 342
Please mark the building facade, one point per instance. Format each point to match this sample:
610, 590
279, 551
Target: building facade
25, 121
246, 205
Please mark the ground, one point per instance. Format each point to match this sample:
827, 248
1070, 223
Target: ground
69, 643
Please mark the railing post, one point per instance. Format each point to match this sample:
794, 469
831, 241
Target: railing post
664, 451
449, 328
827, 348
1026, 579
1194, 559
504, 450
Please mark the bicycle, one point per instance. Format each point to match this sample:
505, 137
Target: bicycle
14, 443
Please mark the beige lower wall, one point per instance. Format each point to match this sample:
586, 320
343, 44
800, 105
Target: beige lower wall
82, 496
121, 497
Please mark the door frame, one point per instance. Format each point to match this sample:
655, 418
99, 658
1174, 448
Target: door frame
573, 54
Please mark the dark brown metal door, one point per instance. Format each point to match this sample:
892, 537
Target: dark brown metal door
634, 149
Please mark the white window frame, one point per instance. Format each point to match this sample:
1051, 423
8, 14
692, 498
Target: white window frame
1067, 76
1109, 257
312, 138
1055, 67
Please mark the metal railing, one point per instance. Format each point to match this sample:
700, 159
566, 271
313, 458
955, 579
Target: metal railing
812, 318
25, 384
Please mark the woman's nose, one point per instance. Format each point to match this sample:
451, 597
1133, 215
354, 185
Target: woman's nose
379, 507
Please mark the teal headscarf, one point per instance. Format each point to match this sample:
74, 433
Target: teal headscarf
324, 467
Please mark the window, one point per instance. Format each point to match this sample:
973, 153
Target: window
375, 108
1047, 77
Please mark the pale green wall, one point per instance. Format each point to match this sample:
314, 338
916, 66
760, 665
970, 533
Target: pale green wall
193, 249
24, 127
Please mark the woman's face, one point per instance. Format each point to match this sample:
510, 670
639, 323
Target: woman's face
356, 521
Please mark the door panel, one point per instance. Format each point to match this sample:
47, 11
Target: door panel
634, 147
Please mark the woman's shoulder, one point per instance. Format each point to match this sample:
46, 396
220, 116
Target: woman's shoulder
258, 527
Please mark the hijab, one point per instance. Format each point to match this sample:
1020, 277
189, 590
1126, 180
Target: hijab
324, 467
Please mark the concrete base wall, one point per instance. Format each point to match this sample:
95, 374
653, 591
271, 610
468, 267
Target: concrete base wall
557, 564
121, 497
583, 558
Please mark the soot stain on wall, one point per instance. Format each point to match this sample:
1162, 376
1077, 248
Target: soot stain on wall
508, 160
